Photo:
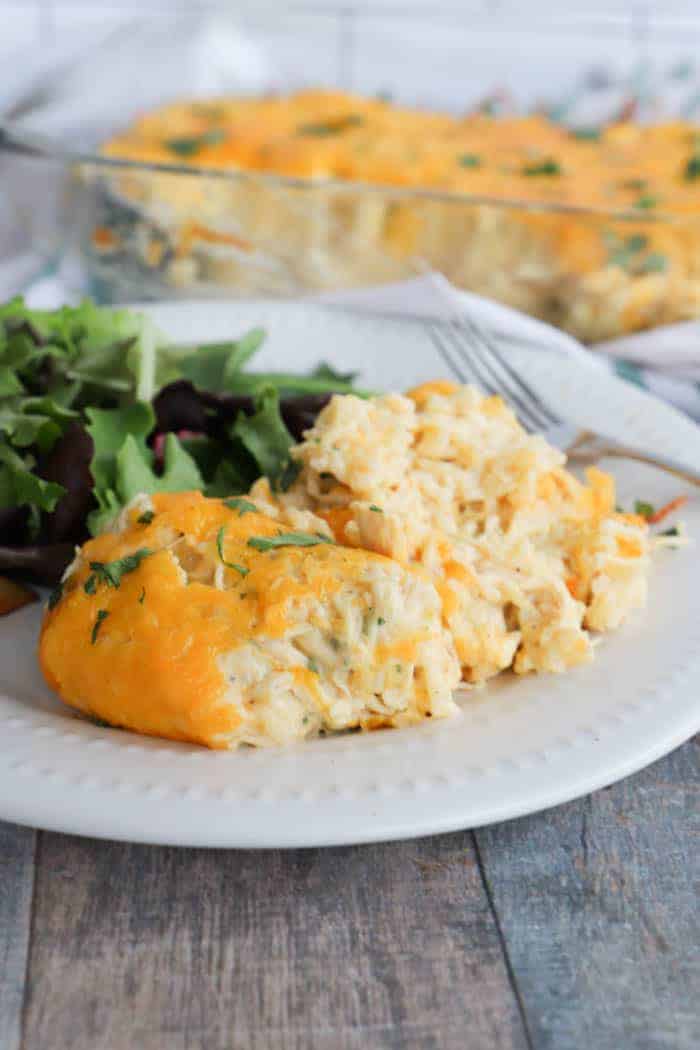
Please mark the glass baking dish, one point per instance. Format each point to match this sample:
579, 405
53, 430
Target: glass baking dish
166, 230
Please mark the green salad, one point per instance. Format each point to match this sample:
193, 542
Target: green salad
97, 405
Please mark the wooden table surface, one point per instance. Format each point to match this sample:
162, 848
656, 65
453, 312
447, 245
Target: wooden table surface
576, 928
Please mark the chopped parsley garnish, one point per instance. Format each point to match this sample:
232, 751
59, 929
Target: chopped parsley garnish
634, 184
55, 596
220, 548
380, 621
469, 160
288, 539
334, 126
623, 253
188, 145
146, 518
312, 665
691, 171
629, 255
102, 615
243, 506
673, 531
543, 167
655, 262
90, 585
586, 134
111, 572
375, 508
645, 510
646, 201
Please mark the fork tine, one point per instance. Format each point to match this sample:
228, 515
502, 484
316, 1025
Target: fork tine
455, 367
534, 400
470, 347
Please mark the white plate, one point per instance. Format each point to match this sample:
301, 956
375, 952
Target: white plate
520, 744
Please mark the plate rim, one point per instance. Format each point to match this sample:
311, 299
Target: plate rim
64, 809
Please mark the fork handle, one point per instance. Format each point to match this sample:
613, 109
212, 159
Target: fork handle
588, 447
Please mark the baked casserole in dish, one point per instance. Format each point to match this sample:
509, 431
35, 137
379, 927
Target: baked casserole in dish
594, 230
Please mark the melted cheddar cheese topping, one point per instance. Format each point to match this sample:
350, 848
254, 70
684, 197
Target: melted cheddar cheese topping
327, 134
206, 634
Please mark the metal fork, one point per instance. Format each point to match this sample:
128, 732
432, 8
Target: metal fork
474, 357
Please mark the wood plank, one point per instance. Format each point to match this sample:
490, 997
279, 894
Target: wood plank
598, 902
389, 946
17, 847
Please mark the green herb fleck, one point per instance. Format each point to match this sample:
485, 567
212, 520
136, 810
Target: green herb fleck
586, 134
288, 539
398, 667
146, 518
673, 531
645, 510
634, 184
111, 572
691, 171
90, 584
637, 242
243, 506
655, 262
375, 508
380, 621
188, 145
469, 160
628, 253
55, 596
102, 615
220, 548
322, 129
646, 201
312, 665
544, 167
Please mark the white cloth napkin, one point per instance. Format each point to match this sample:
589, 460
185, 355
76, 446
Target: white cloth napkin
664, 361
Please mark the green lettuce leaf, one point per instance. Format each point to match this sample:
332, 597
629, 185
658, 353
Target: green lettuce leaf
267, 439
19, 486
216, 366
135, 473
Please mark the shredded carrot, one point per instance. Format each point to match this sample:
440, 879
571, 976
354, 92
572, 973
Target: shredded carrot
194, 231
105, 239
667, 509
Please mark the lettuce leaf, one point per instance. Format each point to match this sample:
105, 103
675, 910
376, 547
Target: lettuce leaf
135, 472
20, 486
267, 439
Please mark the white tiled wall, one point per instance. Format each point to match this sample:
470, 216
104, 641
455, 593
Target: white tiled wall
451, 48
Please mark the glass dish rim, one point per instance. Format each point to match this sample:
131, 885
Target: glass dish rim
17, 140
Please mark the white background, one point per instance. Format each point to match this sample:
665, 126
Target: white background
368, 46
